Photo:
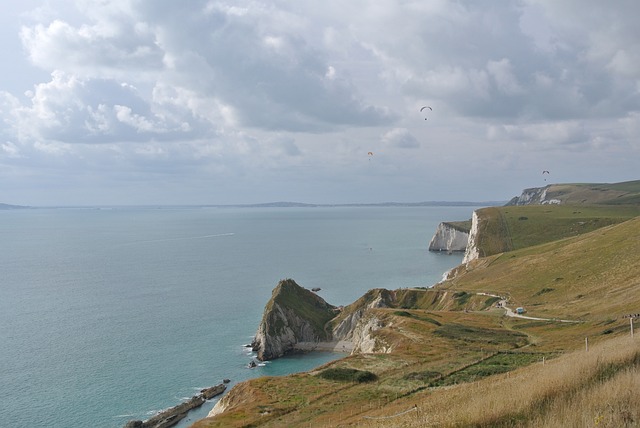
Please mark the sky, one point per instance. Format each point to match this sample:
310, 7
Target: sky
138, 102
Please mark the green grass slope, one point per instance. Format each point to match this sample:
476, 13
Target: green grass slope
624, 193
515, 227
594, 276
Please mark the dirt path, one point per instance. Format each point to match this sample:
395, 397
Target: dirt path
511, 313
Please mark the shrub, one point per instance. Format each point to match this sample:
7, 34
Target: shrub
426, 376
402, 314
348, 375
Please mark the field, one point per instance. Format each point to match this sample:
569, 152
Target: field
516, 227
578, 389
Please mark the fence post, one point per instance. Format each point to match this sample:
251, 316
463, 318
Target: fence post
586, 344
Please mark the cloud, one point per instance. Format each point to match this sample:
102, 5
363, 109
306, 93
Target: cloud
251, 58
556, 136
74, 110
401, 138
266, 91
98, 50
270, 66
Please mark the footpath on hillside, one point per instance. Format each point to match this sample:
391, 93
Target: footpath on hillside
502, 303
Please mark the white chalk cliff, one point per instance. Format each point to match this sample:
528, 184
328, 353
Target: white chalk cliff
297, 320
472, 252
534, 196
449, 238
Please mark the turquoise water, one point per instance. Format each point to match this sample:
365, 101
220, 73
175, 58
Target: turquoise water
108, 315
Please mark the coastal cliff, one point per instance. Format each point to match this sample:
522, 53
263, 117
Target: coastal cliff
535, 196
297, 320
471, 251
355, 326
449, 237
293, 315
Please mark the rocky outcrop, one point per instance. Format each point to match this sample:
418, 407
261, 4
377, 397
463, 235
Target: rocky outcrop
472, 252
172, 416
534, 196
293, 315
449, 238
357, 323
364, 339
240, 395
297, 320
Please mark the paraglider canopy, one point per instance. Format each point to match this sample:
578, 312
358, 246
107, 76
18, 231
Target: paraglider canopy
424, 108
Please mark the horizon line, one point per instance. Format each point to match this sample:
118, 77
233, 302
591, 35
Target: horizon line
275, 204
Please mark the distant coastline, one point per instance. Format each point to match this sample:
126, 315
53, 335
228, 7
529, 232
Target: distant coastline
375, 204
12, 207
272, 205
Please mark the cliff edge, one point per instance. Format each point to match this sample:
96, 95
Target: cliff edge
624, 193
297, 320
293, 315
450, 237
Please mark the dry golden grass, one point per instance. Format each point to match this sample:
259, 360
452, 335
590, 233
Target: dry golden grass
588, 277
614, 403
580, 389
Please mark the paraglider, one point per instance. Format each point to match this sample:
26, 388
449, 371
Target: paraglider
545, 172
425, 107
370, 155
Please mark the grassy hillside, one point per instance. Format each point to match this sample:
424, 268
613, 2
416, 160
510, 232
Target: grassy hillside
625, 193
462, 226
579, 389
591, 276
514, 227
452, 344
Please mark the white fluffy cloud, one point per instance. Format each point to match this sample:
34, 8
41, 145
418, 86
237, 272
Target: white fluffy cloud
262, 89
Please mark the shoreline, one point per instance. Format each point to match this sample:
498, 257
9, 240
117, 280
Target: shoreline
171, 416
339, 346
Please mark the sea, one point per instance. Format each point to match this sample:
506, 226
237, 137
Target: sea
109, 314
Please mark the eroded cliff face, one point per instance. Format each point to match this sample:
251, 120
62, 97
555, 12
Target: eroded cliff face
297, 320
534, 196
472, 252
292, 315
356, 324
449, 238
